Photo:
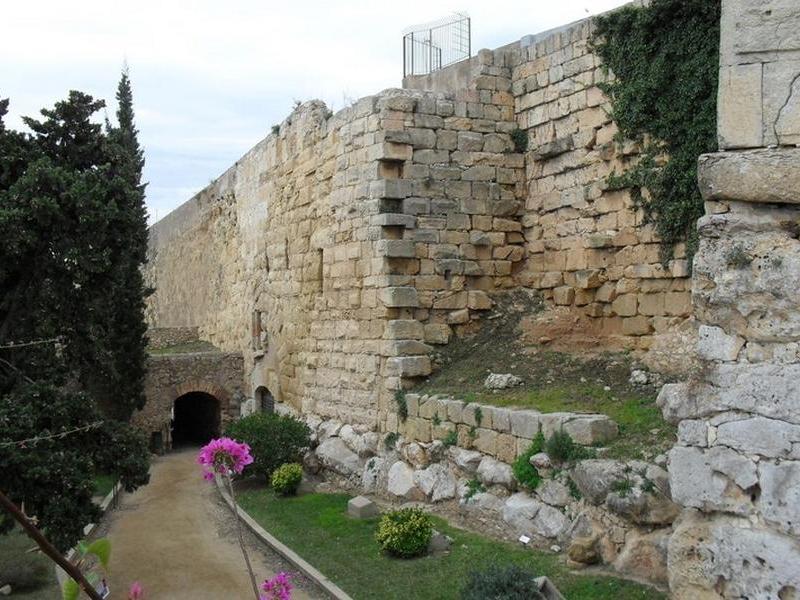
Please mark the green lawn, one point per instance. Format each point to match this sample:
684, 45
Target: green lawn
103, 484
316, 527
556, 382
31, 574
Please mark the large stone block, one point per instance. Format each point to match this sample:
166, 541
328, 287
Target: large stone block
397, 297
408, 366
779, 502
362, 507
589, 430
767, 175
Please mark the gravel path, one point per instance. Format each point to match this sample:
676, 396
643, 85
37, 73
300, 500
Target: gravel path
177, 538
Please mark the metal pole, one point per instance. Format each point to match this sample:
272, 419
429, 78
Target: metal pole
469, 37
430, 50
404, 57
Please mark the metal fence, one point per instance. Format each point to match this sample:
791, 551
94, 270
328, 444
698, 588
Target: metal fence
433, 46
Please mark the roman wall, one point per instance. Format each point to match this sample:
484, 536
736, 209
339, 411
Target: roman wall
736, 467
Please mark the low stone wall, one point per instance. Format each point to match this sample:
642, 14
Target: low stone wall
598, 511
164, 337
502, 433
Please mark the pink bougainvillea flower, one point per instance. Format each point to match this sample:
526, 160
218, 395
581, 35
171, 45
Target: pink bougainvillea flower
136, 592
224, 456
278, 588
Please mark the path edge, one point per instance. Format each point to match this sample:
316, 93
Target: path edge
287, 553
61, 576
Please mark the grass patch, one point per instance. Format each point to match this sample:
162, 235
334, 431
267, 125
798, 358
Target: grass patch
345, 549
103, 484
30, 574
558, 382
184, 348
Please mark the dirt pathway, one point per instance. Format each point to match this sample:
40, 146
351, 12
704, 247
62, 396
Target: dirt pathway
179, 541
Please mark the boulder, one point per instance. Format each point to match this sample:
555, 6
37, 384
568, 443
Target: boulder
594, 478
362, 507
439, 542
328, 429
583, 549
336, 456
554, 493
415, 454
644, 556
638, 377
466, 460
400, 482
311, 463
501, 381
643, 508
541, 460
494, 472
436, 482
588, 430
483, 502
526, 515
364, 444
373, 477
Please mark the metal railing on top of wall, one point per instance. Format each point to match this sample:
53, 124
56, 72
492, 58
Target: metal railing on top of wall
433, 46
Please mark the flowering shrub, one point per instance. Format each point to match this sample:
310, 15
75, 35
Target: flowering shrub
286, 479
225, 457
277, 588
405, 533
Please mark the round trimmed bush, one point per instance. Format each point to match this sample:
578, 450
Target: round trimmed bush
508, 582
405, 533
286, 479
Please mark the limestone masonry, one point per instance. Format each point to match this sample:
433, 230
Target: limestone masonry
341, 249
333, 258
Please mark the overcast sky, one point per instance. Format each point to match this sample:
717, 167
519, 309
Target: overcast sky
211, 78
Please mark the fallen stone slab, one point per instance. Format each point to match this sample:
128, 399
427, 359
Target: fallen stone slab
362, 507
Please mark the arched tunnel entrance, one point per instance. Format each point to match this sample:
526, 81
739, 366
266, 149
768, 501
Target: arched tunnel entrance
195, 419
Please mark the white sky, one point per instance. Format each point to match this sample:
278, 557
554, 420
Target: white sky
211, 78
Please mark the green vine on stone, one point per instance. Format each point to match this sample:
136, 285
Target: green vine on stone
402, 404
664, 58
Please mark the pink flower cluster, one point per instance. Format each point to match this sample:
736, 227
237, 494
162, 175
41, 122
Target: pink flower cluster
224, 456
136, 592
278, 588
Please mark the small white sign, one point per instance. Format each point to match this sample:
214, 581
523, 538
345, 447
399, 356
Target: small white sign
525, 539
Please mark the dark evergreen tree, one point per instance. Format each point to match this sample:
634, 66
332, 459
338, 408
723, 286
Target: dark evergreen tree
66, 199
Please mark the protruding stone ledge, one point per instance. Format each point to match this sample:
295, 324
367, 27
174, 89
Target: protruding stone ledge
766, 175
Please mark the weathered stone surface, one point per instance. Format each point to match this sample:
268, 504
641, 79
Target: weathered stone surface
526, 515
364, 444
415, 454
595, 477
439, 542
645, 556
583, 550
779, 502
715, 479
436, 482
501, 381
494, 472
554, 493
758, 435
766, 175
335, 455
467, 460
400, 482
715, 344
591, 429
750, 561
525, 423
643, 508
373, 477
362, 507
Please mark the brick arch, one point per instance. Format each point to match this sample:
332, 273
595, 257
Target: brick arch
207, 387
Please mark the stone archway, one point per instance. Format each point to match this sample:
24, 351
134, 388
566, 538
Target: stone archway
196, 419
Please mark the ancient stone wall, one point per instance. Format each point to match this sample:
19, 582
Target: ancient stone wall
164, 337
736, 468
170, 376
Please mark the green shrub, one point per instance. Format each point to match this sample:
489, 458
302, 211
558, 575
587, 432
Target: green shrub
525, 473
273, 439
286, 479
509, 582
451, 439
562, 448
402, 404
474, 486
390, 440
405, 533
520, 139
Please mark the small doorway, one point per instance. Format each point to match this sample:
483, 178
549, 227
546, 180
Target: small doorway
265, 400
195, 419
